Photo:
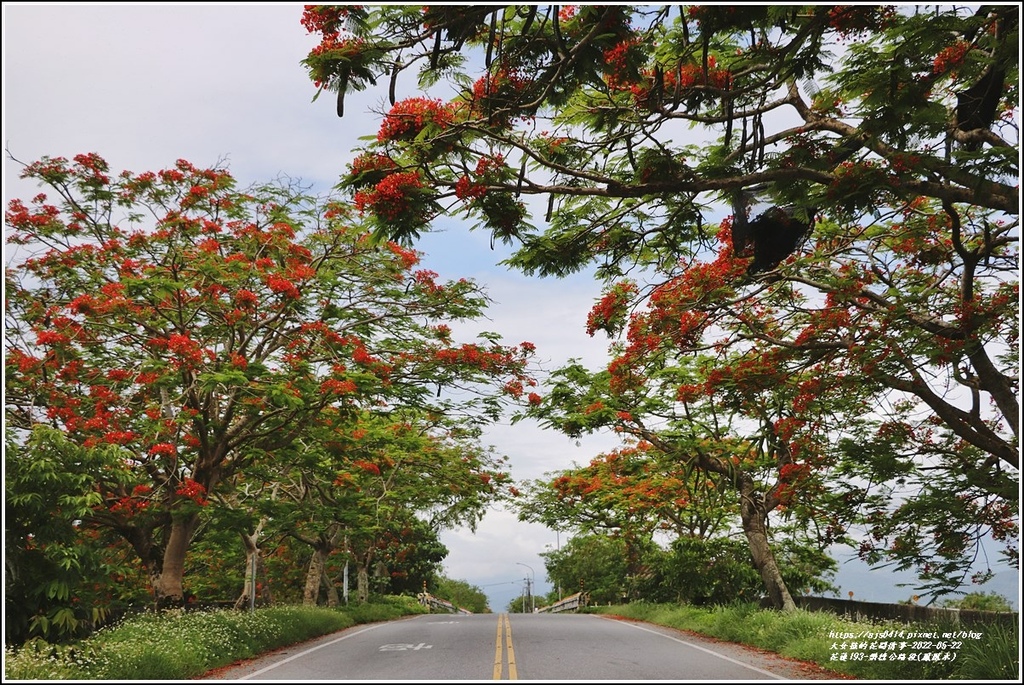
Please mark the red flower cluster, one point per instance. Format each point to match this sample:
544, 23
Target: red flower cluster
333, 386
498, 97
324, 19
118, 437
950, 57
361, 356
163, 449
849, 20
135, 503
465, 189
504, 82
392, 198
282, 286
408, 258
473, 356
408, 117
186, 349
371, 162
689, 75
51, 338
367, 466
793, 472
338, 48
246, 298
620, 63
193, 491
684, 77
19, 217
95, 166
489, 169
514, 388
610, 311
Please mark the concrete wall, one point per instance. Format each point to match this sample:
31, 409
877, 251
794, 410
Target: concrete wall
907, 613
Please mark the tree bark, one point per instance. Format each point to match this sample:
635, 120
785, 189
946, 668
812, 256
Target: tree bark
363, 583
170, 584
332, 591
254, 566
313, 575
754, 518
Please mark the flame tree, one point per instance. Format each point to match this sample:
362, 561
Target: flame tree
203, 329
868, 157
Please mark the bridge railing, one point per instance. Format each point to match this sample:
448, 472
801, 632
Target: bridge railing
429, 600
570, 603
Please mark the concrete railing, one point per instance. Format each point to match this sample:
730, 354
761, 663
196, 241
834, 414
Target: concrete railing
429, 600
570, 603
907, 613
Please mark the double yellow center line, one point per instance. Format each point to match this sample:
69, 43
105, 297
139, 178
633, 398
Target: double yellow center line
504, 631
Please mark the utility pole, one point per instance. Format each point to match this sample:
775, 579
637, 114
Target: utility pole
528, 584
558, 547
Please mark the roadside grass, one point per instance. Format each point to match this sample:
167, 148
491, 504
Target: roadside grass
181, 645
990, 652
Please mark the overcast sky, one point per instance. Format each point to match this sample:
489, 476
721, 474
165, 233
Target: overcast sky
145, 85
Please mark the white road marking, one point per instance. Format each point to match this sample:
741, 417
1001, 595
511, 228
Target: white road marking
304, 652
703, 649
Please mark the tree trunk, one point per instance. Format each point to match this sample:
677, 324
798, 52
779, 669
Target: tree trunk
332, 591
254, 568
170, 584
313, 575
363, 584
754, 516
264, 595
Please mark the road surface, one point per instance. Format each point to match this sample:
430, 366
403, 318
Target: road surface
515, 647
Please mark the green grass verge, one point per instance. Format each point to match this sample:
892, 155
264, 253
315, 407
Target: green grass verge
180, 645
989, 652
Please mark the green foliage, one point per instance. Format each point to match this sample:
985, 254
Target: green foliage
712, 571
62, 579
980, 601
996, 657
461, 594
522, 604
806, 636
209, 348
886, 132
595, 564
181, 645
940, 530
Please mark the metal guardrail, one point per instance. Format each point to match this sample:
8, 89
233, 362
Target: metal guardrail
570, 603
429, 600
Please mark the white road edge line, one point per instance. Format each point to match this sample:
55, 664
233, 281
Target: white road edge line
703, 649
307, 651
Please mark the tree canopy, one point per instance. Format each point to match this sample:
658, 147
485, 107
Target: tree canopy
786, 200
208, 345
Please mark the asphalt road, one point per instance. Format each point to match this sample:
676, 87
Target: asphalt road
512, 647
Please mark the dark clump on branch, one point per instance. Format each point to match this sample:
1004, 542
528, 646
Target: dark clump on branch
978, 105
770, 238
458, 24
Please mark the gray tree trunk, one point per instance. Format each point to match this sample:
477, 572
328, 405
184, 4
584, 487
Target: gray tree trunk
754, 518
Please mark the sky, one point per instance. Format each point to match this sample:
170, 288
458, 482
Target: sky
143, 85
